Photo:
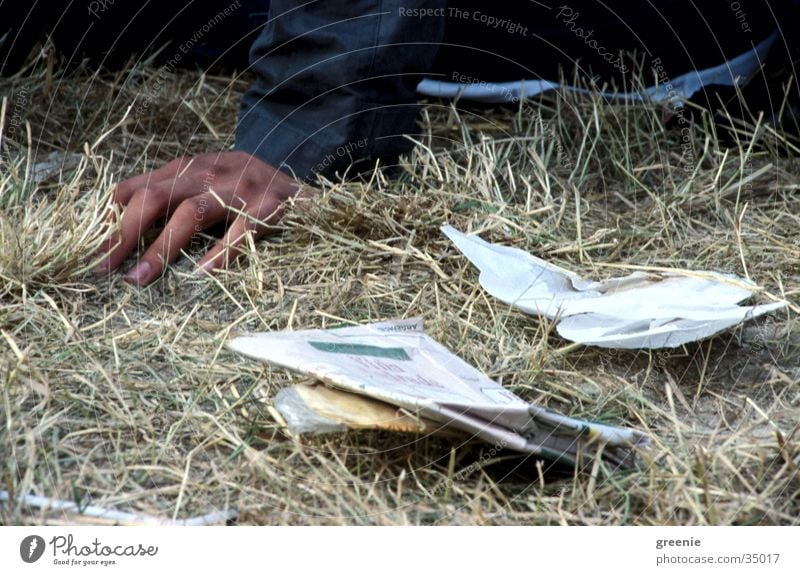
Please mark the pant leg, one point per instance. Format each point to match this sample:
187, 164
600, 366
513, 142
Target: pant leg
507, 41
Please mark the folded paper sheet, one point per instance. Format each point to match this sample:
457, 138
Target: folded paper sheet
642, 310
392, 376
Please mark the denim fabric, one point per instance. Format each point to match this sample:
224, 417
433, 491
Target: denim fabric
336, 82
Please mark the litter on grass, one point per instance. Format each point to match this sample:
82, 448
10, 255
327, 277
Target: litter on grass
39, 170
73, 514
642, 310
391, 375
54, 164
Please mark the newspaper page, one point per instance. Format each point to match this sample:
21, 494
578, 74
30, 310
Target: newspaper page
397, 364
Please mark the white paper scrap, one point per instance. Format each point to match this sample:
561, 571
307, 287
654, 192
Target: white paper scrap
642, 310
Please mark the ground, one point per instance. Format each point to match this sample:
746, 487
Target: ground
127, 398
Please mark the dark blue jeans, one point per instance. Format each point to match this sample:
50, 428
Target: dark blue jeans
335, 81
560, 33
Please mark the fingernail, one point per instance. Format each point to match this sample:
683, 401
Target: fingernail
139, 274
204, 268
101, 269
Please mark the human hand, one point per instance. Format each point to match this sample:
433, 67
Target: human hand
195, 193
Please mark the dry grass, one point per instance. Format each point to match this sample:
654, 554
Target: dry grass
127, 397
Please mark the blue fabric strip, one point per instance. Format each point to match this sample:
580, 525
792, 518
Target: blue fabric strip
736, 71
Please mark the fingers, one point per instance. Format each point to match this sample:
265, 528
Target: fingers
192, 216
232, 245
246, 190
152, 190
144, 208
126, 189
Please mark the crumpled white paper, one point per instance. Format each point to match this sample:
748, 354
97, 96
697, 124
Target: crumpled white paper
641, 310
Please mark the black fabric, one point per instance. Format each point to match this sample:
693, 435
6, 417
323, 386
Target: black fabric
682, 35
109, 34
22, 25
